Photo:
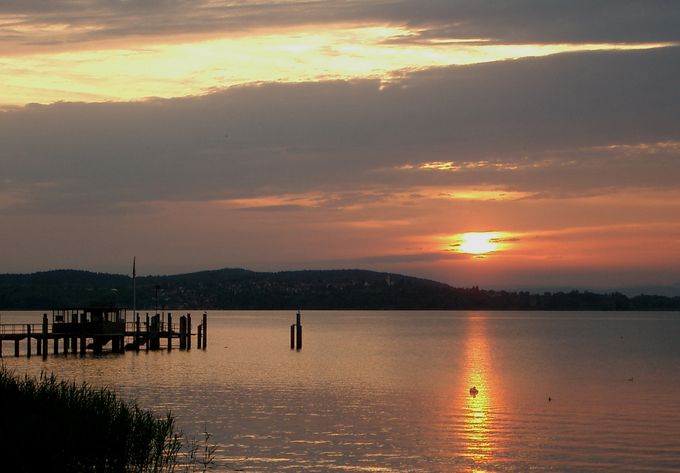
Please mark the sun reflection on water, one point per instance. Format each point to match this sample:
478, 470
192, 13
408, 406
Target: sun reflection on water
478, 407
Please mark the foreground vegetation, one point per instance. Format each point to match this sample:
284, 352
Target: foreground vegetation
52, 425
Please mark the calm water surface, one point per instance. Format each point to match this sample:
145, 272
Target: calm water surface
389, 391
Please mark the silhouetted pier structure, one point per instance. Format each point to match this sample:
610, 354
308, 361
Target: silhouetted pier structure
78, 331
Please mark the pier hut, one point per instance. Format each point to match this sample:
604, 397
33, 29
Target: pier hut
101, 324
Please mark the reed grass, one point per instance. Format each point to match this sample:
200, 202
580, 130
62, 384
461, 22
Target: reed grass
49, 425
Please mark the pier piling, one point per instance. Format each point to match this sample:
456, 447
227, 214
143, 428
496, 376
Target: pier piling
44, 335
169, 331
296, 333
183, 332
97, 345
83, 344
298, 344
28, 341
205, 330
138, 331
188, 331
74, 338
154, 339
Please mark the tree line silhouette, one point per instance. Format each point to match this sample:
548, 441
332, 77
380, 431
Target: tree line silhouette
330, 289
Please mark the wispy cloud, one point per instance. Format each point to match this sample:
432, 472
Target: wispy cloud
64, 22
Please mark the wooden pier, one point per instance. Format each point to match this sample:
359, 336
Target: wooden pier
77, 331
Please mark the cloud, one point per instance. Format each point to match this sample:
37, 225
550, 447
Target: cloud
62, 24
569, 123
404, 258
539, 21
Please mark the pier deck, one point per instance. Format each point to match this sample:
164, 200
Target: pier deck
78, 331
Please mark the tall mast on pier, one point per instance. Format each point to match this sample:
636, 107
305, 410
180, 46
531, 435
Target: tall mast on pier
134, 288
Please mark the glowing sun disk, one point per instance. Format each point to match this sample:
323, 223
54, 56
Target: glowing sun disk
478, 243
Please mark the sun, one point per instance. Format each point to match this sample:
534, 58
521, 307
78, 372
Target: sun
478, 243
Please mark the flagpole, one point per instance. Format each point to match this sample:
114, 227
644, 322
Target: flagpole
134, 288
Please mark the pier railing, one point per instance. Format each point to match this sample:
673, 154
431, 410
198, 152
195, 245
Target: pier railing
163, 326
16, 329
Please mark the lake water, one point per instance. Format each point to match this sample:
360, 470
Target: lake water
389, 391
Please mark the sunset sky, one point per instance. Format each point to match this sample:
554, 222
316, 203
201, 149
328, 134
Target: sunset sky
523, 143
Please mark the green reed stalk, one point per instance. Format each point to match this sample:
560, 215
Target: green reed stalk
50, 425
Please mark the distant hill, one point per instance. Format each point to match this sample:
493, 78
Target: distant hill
330, 289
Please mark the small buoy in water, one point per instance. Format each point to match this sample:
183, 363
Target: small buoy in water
549, 399
630, 379
474, 391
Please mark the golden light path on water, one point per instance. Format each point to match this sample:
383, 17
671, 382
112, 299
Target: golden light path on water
478, 373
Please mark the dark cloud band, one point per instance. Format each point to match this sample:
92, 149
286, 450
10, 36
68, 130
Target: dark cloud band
62, 23
571, 123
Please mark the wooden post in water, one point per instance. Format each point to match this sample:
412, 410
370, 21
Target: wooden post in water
97, 345
188, 331
16, 347
44, 336
28, 338
154, 338
148, 333
296, 333
56, 345
298, 345
38, 344
83, 341
74, 338
199, 338
205, 330
138, 331
183, 332
66, 345
169, 331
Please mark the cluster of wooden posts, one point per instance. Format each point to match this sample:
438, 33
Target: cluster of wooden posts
158, 329
77, 331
